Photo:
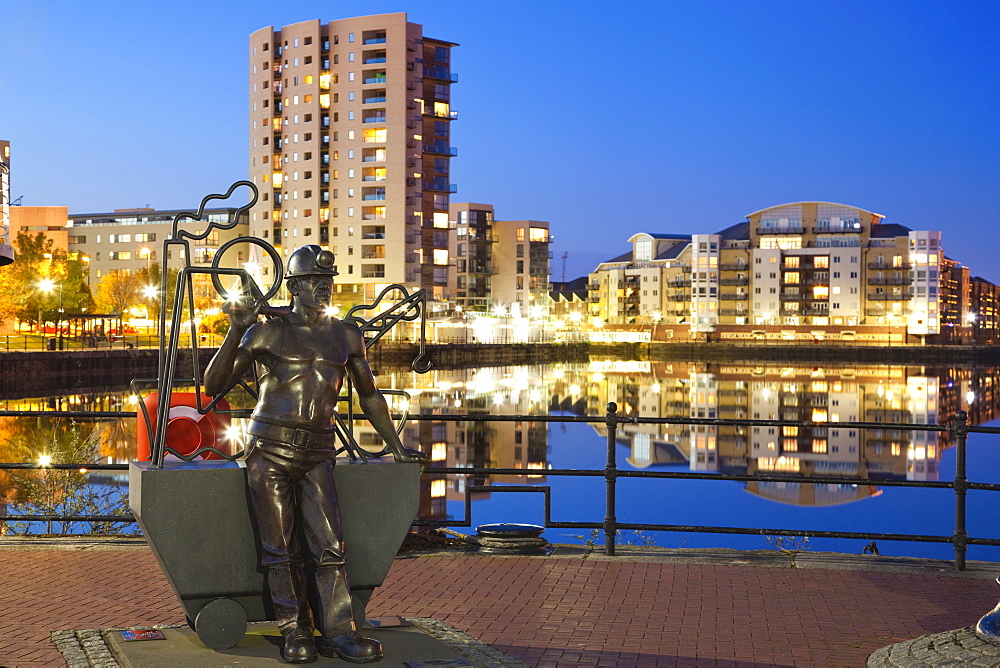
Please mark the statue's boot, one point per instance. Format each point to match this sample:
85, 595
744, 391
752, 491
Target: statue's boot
335, 621
291, 610
351, 646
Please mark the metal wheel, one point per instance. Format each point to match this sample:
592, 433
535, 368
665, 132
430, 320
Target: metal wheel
221, 623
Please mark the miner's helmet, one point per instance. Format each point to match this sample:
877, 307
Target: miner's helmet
311, 261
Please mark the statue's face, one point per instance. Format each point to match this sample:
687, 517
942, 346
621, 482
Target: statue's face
312, 291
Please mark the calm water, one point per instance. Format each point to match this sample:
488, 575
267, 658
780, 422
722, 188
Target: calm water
844, 393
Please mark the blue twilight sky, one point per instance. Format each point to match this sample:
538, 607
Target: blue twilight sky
605, 119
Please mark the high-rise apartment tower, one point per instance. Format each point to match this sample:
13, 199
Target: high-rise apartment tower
350, 148
6, 250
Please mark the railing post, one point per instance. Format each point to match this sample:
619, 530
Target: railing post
960, 539
611, 478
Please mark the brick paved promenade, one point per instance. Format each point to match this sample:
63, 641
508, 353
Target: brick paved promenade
573, 608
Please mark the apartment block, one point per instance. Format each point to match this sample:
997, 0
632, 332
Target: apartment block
500, 267
350, 146
6, 238
132, 240
806, 271
49, 220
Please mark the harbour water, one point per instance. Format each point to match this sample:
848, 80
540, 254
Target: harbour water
823, 395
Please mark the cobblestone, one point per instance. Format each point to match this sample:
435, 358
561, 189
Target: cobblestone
960, 647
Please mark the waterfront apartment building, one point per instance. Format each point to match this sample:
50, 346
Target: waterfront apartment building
6, 238
500, 267
350, 147
805, 271
132, 240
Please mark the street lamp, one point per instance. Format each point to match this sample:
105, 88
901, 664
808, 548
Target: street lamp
47, 285
970, 318
151, 292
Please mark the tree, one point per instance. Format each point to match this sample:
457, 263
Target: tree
151, 278
118, 291
37, 259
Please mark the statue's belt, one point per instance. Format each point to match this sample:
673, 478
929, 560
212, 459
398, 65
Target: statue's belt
295, 436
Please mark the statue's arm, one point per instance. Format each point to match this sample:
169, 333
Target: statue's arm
373, 404
236, 354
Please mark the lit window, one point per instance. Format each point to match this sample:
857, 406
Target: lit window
538, 234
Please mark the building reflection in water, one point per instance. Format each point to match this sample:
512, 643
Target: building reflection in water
831, 394
827, 395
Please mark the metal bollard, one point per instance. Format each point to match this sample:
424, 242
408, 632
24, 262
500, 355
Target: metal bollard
611, 478
960, 539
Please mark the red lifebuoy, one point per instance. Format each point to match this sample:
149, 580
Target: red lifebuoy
187, 429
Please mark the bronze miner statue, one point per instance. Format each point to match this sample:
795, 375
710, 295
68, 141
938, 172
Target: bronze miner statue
303, 355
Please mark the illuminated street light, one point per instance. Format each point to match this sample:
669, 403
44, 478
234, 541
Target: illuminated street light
48, 285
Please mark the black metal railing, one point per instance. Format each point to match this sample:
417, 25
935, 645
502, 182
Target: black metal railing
957, 429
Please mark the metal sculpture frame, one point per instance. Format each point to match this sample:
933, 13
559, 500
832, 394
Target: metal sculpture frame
408, 307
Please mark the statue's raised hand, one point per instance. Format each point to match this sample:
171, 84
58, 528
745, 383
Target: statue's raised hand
242, 313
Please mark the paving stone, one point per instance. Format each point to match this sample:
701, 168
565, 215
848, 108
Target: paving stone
645, 608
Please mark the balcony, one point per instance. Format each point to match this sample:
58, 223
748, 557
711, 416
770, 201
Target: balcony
883, 266
378, 79
838, 229
733, 312
373, 119
440, 184
895, 280
439, 148
678, 284
798, 296
440, 72
734, 281
483, 268
781, 230
377, 60
739, 266
440, 113
731, 296
679, 298
883, 297
374, 99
